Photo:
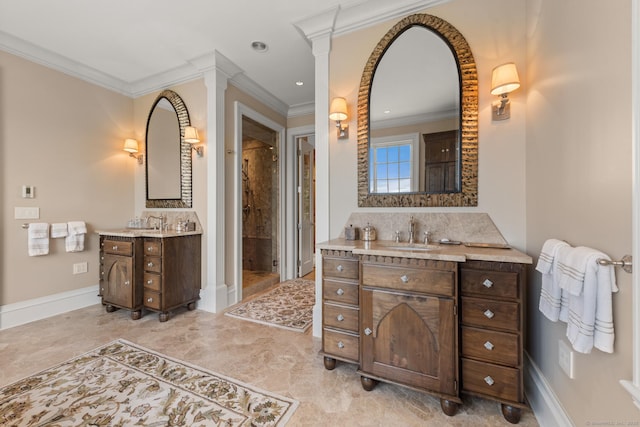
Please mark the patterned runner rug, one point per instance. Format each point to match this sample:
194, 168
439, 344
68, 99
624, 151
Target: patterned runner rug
122, 384
287, 306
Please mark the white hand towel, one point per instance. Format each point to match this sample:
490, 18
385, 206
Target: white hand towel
551, 294
74, 242
573, 268
59, 230
38, 238
590, 321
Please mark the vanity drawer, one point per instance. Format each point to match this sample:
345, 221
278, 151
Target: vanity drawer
341, 317
344, 268
485, 283
153, 263
492, 314
117, 247
341, 345
490, 346
152, 299
152, 247
498, 381
152, 281
425, 280
342, 292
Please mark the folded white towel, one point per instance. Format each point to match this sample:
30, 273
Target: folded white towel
59, 230
38, 238
74, 242
590, 321
551, 294
574, 266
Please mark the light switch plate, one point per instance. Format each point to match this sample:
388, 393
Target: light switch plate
26, 213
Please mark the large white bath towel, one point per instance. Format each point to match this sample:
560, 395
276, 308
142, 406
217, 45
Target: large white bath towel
551, 294
38, 238
74, 242
573, 268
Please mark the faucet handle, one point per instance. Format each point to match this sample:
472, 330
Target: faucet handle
397, 238
426, 237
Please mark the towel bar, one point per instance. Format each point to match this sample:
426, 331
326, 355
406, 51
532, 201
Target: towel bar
626, 263
25, 225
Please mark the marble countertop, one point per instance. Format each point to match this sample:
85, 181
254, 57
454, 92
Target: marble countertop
436, 251
144, 232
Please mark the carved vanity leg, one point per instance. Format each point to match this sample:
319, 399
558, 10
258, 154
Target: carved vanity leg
164, 317
135, 315
329, 363
367, 383
191, 306
110, 308
511, 413
449, 407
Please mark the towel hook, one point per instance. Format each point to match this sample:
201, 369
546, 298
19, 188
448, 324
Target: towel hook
626, 263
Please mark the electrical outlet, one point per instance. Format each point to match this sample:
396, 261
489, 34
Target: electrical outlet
80, 267
566, 359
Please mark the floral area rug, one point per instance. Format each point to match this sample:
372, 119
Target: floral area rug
123, 384
289, 306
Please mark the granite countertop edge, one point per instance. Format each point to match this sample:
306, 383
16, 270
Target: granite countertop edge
136, 232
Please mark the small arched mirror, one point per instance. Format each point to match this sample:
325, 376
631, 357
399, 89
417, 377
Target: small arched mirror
417, 135
168, 156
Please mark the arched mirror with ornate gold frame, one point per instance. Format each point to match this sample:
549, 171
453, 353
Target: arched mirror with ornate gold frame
168, 156
464, 190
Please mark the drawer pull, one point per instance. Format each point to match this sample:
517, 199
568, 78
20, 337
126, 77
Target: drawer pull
489, 314
340, 292
489, 380
102, 289
340, 317
115, 247
368, 331
340, 344
149, 264
340, 268
150, 281
126, 282
487, 283
488, 345
149, 299
404, 278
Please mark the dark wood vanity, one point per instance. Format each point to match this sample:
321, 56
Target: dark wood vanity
444, 326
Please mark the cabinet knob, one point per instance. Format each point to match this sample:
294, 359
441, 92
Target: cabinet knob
489, 314
102, 289
340, 292
150, 281
149, 249
340, 344
115, 247
126, 282
489, 380
149, 264
404, 278
368, 331
340, 268
488, 345
340, 317
487, 283
149, 299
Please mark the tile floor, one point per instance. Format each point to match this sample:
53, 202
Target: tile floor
277, 360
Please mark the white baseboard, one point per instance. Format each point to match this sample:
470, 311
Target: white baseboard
544, 402
40, 308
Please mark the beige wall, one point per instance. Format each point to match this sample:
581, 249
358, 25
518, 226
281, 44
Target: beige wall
64, 136
579, 180
501, 145
299, 121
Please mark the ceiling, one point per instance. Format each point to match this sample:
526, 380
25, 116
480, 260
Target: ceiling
122, 43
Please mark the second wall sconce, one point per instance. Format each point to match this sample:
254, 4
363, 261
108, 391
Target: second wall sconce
338, 112
191, 136
131, 147
504, 80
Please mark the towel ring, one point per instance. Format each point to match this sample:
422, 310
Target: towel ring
626, 263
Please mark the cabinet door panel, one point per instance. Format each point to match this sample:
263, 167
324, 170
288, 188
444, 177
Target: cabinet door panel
412, 339
119, 281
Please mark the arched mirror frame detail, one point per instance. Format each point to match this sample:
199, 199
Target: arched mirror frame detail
468, 196
185, 155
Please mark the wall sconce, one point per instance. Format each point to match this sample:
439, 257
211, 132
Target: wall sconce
504, 80
131, 147
191, 136
338, 112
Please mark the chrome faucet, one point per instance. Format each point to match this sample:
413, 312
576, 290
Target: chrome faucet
161, 220
412, 229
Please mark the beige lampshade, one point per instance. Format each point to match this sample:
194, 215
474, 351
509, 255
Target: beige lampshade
191, 135
504, 79
130, 145
338, 110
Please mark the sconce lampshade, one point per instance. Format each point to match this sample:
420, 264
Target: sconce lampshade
130, 146
338, 110
191, 135
504, 79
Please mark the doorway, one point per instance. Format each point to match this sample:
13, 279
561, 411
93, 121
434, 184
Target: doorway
306, 178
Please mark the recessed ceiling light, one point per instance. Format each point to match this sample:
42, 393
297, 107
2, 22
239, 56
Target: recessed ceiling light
259, 46
387, 111
299, 83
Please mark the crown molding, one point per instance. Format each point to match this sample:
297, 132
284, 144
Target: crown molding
301, 109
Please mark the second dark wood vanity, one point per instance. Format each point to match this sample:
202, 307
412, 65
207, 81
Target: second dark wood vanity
444, 322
